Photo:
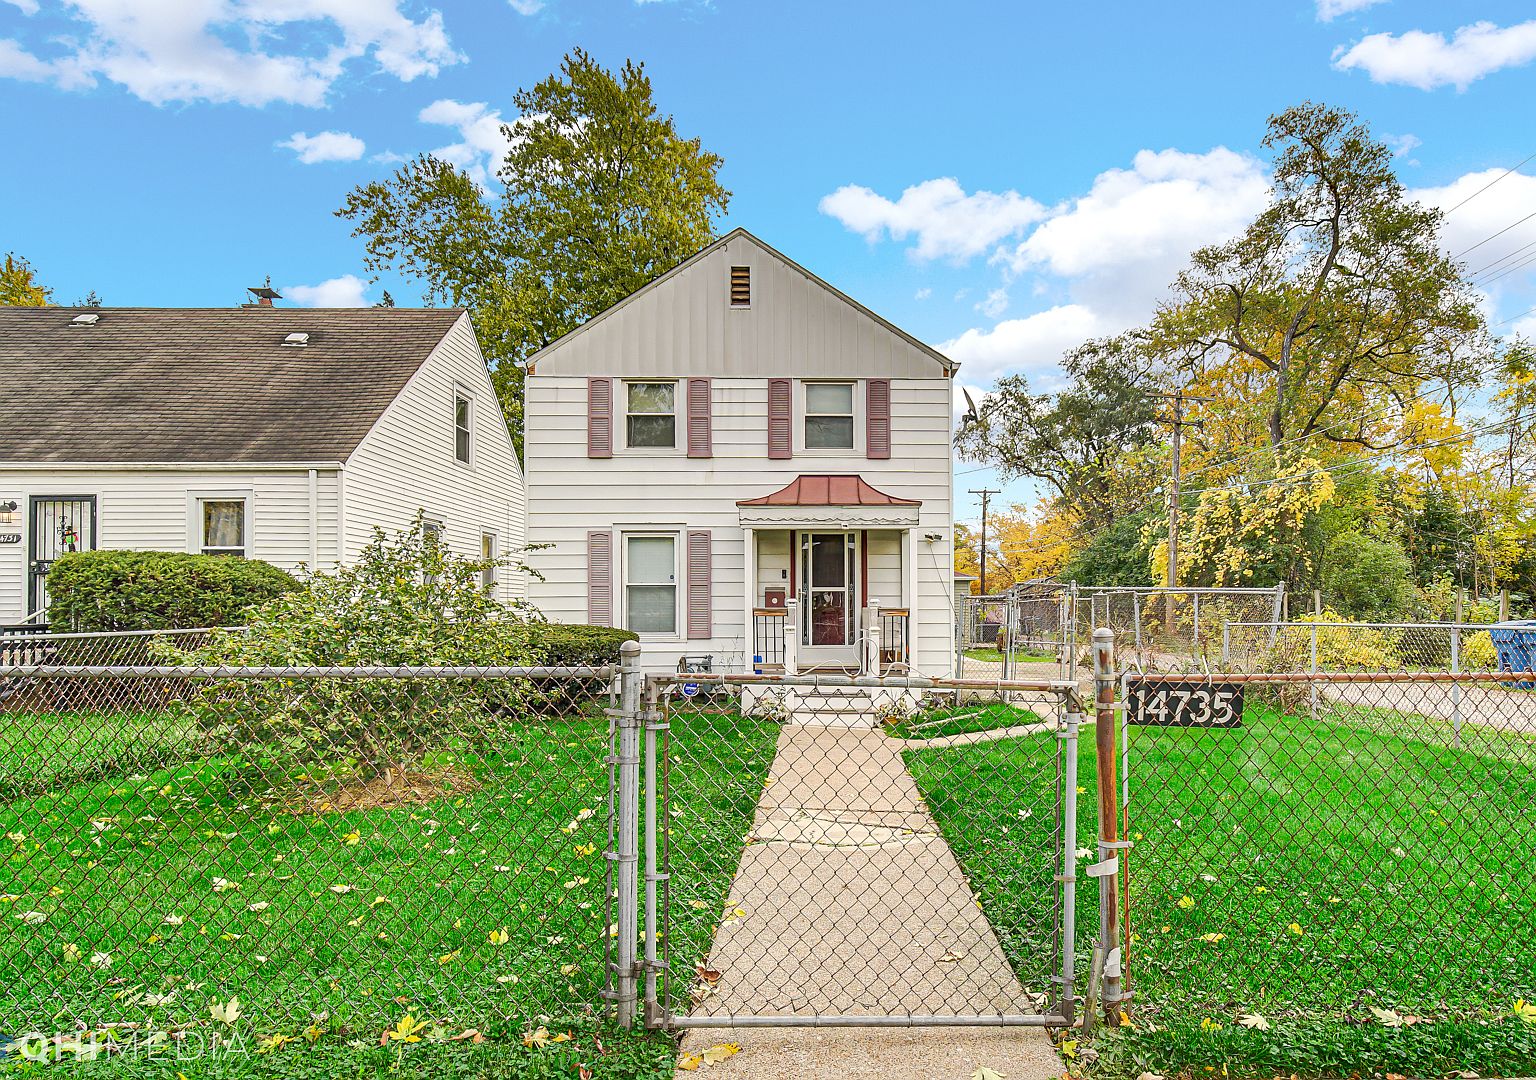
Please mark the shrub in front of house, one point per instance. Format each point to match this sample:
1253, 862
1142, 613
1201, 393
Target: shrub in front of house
406, 601
158, 590
576, 645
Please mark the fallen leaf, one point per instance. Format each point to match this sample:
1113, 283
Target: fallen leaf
1388, 1017
1253, 1020
985, 1073
951, 956
226, 1013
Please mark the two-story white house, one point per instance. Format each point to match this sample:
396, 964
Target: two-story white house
281, 434
733, 441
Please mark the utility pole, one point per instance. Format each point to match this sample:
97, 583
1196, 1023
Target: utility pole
1178, 423
986, 495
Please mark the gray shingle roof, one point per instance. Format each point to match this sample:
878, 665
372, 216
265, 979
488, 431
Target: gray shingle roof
204, 384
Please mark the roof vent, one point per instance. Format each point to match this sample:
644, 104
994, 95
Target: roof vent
90, 318
299, 338
741, 286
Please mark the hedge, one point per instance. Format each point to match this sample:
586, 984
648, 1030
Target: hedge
157, 590
568, 645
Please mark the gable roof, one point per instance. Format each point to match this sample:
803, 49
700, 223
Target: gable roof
202, 385
946, 364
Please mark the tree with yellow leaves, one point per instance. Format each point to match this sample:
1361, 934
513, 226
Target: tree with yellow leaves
18, 284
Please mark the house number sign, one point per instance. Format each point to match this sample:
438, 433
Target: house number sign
1184, 703
10, 538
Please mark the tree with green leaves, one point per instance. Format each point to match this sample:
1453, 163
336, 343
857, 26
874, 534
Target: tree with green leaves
19, 286
1336, 306
597, 195
1081, 441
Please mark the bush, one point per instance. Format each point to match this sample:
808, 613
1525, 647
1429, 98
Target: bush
1478, 653
158, 590
1366, 578
406, 601
1339, 648
565, 645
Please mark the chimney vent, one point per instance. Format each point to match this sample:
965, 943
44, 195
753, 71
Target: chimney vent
90, 318
297, 339
264, 294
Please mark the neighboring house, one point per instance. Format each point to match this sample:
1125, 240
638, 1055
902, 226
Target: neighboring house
733, 437
282, 434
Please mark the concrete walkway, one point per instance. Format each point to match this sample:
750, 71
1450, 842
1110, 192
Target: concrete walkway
853, 904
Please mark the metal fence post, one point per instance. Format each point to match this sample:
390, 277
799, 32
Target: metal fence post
1226, 644
655, 722
627, 855
1108, 867
1456, 686
1313, 668
1074, 721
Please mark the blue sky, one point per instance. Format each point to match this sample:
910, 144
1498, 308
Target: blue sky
1002, 179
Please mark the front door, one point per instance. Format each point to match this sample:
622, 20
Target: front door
60, 524
829, 603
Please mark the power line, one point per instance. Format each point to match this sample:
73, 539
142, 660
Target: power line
1488, 185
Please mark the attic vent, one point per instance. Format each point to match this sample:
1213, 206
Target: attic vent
88, 319
296, 339
741, 286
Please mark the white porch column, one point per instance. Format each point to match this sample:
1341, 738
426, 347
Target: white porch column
792, 637
909, 598
748, 594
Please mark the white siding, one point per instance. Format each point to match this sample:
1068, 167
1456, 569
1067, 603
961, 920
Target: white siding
569, 494
406, 463
152, 509
684, 325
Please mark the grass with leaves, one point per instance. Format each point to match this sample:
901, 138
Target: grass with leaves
960, 719
1346, 896
1020, 656
188, 902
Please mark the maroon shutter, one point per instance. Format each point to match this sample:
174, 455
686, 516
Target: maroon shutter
700, 586
599, 418
600, 578
877, 418
700, 439
779, 399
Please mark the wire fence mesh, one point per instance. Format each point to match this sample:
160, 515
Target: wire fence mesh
318, 851
860, 851
1179, 629
1349, 856
1014, 636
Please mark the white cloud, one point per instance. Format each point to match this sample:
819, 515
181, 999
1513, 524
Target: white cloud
1032, 345
1328, 10
345, 291
26, 7
527, 7
1122, 243
1480, 208
946, 221
1425, 60
482, 142
1402, 145
241, 51
994, 303
922, 294
324, 146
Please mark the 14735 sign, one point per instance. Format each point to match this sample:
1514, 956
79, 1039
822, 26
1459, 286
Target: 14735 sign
1184, 703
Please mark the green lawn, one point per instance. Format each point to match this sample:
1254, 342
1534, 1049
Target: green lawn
993, 656
1306, 872
977, 715
142, 897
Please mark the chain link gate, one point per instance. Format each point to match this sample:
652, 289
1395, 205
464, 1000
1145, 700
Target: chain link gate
826, 850
1015, 635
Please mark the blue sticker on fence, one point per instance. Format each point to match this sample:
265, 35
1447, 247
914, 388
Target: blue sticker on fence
690, 689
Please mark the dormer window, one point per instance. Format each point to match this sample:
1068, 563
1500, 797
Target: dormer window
741, 286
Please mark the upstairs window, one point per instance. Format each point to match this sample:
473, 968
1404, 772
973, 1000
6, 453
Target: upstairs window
652, 415
828, 416
741, 286
462, 415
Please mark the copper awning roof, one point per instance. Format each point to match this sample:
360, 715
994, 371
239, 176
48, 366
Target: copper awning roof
828, 491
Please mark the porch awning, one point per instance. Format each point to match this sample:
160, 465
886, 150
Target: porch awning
828, 500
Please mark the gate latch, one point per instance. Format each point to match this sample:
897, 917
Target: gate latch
1108, 868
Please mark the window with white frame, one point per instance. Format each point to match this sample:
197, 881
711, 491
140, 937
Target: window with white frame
829, 416
488, 555
224, 526
463, 420
650, 583
651, 415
